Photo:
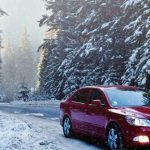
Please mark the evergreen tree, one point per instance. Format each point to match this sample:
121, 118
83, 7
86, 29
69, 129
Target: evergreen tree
18, 66
137, 42
97, 42
56, 50
9, 71
23, 93
78, 42
25, 62
1, 14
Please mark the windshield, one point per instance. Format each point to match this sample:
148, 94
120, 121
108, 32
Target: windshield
124, 97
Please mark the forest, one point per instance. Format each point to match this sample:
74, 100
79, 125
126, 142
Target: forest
94, 42
88, 42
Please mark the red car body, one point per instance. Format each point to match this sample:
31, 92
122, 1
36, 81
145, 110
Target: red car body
90, 118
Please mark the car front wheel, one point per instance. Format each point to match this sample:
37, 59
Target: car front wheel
114, 138
67, 127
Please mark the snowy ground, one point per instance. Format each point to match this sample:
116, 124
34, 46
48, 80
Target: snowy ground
26, 132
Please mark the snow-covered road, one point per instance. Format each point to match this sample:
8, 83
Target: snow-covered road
41, 111
27, 132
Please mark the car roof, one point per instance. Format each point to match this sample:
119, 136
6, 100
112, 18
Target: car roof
113, 87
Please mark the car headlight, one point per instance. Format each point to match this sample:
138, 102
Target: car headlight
138, 121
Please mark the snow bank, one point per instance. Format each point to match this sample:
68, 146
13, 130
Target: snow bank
19, 132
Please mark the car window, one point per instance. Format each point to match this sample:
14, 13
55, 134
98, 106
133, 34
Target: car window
81, 96
96, 95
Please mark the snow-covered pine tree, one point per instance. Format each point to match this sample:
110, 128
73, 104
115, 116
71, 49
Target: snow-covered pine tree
95, 40
25, 61
137, 41
101, 47
9, 71
74, 40
114, 49
48, 60
56, 50
1, 14
83, 46
23, 92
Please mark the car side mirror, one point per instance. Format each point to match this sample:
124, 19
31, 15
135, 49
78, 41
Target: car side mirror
97, 103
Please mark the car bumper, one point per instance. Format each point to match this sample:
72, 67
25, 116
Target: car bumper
137, 136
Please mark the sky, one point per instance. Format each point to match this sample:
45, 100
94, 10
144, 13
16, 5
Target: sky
22, 14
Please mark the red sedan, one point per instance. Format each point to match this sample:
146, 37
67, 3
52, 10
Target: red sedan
117, 115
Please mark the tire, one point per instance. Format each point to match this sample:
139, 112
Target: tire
67, 127
114, 138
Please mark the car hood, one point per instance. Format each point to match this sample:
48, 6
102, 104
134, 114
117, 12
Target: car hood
140, 111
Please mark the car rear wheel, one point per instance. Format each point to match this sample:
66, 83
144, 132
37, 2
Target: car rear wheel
67, 127
114, 138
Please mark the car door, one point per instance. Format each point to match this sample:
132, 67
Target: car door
78, 110
96, 116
